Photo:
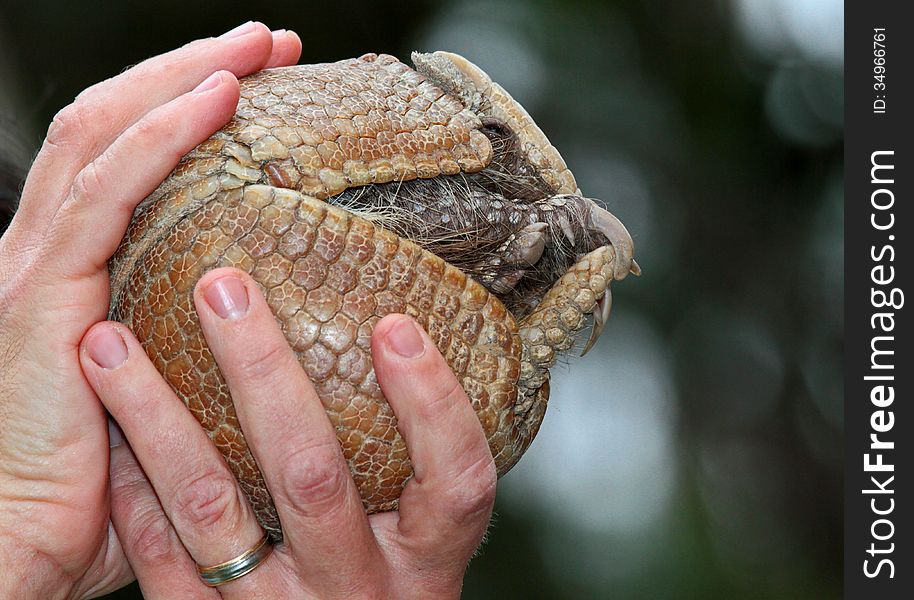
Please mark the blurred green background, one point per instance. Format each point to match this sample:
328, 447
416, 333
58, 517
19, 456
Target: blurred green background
696, 452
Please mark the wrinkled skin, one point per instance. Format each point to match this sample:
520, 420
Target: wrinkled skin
56, 539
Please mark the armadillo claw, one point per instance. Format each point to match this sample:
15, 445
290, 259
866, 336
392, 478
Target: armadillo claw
552, 327
611, 227
521, 251
527, 245
600, 316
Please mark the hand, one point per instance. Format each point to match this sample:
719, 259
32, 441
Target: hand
332, 549
103, 154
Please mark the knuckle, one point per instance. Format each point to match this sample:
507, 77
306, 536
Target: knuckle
156, 130
152, 538
314, 477
148, 532
128, 485
442, 400
88, 183
263, 365
472, 493
93, 94
69, 126
209, 500
136, 393
148, 126
138, 398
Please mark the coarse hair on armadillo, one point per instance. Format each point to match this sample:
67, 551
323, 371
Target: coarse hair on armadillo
469, 219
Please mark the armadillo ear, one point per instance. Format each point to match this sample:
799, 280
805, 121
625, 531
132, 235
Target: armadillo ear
458, 76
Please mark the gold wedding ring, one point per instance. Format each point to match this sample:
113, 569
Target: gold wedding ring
238, 566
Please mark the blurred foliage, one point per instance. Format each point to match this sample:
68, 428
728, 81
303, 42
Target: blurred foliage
702, 456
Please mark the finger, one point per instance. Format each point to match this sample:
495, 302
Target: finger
162, 566
197, 491
82, 130
107, 190
288, 431
286, 49
446, 506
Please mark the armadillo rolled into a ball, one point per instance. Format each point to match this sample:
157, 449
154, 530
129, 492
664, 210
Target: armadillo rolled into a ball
361, 188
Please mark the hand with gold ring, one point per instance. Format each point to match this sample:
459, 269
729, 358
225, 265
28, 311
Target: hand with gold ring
103, 154
185, 524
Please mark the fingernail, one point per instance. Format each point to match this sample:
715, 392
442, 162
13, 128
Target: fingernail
209, 83
107, 348
115, 435
405, 339
279, 33
228, 297
238, 31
